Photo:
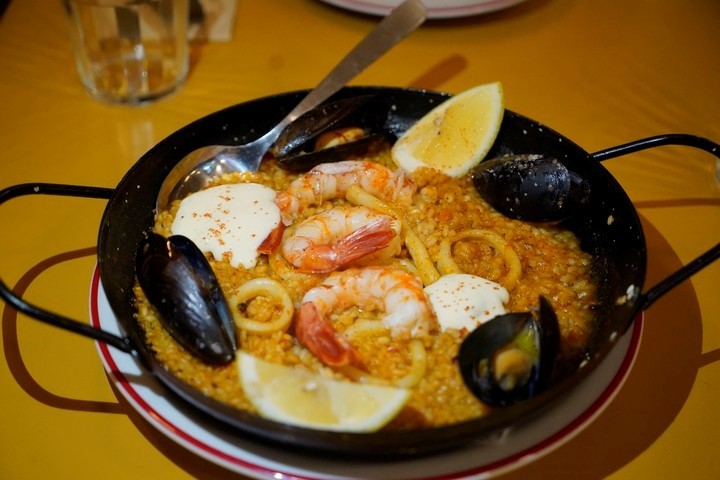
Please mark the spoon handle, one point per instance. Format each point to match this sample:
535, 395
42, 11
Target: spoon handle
398, 24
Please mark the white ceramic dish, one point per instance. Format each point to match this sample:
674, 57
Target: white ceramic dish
518, 446
436, 9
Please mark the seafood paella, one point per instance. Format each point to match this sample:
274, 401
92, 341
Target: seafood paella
362, 272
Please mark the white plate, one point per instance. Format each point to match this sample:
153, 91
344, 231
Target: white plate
435, 8
516, 447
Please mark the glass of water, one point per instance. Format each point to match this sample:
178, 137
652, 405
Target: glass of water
129, 51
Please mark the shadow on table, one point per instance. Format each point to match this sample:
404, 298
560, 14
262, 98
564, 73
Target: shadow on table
194, 465
11, 345
433, 78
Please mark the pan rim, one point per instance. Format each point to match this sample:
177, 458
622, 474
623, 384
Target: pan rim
386, 443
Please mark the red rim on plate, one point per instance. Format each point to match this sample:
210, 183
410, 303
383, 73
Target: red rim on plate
435, 9
268, 469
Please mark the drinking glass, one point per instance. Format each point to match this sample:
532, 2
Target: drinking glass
129, 51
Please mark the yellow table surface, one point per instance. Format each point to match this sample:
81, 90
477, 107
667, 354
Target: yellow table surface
601, 72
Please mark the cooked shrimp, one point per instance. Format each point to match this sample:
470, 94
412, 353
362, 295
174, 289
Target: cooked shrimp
273, 239
331, 180
407, 312
336, 238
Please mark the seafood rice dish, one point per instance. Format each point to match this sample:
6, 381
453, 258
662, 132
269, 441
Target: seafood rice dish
368, 281
362, 272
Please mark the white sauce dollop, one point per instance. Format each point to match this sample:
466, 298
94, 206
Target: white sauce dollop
229, 219
463, 301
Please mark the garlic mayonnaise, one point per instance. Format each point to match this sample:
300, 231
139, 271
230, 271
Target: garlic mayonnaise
229, 219
463, 301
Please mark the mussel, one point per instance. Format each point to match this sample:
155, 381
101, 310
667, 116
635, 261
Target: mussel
511, 357
179, 283
302, 144
535, 188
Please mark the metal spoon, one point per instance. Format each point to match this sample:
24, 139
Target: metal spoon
197, 169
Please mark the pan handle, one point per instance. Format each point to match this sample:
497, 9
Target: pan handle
678, 277
121, 343
703, 260
658, 141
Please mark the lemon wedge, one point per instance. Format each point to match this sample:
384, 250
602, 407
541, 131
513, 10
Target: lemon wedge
297, 396
454, 136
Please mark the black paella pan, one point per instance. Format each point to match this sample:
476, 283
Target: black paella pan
609, 229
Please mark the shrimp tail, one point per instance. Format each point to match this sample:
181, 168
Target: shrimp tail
353, 246
320, 337
336, 238
270, 244
288, 206
364, 241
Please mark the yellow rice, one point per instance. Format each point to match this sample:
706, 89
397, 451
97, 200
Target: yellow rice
552, 263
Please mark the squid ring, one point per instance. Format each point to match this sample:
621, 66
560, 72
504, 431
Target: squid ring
263, 287
418, 354
447, 264
418, 367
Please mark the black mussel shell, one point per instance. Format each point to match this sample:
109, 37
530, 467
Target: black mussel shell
535, 343
535, 188
296, 151
179, 283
